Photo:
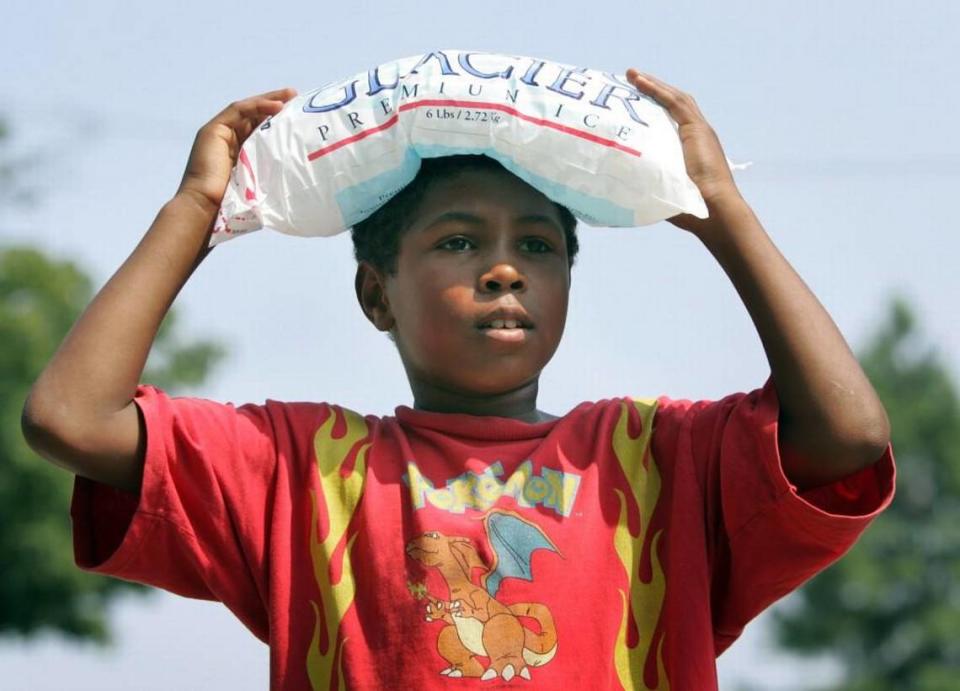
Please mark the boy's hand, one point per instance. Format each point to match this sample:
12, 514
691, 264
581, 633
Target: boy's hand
706, 163
217, 146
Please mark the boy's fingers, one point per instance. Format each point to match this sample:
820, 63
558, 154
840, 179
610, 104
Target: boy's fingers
668, 96
680, 104
282, 95
255, 108
278, 95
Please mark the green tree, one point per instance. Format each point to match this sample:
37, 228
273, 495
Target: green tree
40, 299
890, 609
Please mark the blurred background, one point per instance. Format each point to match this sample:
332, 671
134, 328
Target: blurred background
848, 112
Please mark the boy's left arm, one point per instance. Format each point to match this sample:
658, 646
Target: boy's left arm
832, 422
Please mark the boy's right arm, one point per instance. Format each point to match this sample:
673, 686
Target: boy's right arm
80, 412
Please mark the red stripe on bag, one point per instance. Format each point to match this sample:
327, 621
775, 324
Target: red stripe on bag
479, 105
248, 193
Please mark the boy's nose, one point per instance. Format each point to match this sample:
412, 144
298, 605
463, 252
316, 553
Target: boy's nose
503, 276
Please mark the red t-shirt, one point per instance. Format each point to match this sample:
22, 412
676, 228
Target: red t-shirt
625, 544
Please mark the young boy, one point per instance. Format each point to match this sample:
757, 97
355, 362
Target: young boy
472, 540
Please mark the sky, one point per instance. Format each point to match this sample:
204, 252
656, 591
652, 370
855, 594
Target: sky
847, 111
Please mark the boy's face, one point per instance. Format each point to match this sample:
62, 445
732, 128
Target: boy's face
482, 241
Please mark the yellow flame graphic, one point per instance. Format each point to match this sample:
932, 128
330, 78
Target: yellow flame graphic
340, 496
646, 598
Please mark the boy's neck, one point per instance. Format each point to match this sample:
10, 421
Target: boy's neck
519, 404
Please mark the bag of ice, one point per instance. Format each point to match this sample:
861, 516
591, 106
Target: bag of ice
586, 139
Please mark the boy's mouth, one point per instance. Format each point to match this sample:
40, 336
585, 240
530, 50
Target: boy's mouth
506, 334
506, 324
506, 319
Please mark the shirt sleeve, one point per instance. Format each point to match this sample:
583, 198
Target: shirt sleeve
765, 537
197, 527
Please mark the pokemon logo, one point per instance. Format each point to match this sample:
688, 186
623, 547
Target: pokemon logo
552, 489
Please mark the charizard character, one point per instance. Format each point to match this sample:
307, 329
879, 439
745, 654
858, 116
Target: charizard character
477, 624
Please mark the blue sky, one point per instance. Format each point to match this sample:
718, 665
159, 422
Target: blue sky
848, 111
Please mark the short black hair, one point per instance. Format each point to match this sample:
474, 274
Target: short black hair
376, 239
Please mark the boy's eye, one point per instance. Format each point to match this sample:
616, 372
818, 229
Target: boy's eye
536, 245
457, 244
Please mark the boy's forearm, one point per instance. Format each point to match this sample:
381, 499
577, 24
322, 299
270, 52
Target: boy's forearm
831, 420
96, 369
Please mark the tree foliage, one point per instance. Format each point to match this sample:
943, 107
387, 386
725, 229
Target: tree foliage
890, 608
40, 587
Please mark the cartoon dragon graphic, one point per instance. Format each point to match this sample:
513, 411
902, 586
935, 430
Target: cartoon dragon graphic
476, 623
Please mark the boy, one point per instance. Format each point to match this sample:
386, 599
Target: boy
472, 540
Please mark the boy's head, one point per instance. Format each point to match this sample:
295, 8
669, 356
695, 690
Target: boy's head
455, 257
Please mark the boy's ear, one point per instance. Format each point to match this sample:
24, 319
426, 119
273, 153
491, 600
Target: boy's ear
372, 296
